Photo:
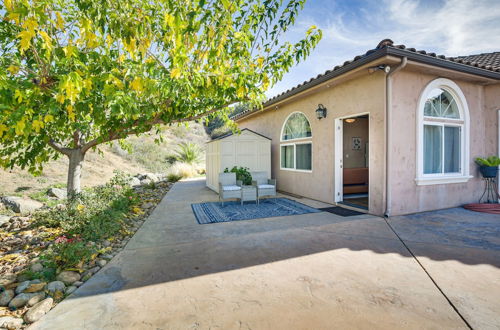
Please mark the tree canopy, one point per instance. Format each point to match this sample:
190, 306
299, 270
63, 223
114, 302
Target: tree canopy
78, 73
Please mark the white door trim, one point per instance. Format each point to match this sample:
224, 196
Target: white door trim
339, 155
498, 128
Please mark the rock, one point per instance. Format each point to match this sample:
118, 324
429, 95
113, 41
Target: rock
37, 267
39, 310
23, 278
21, 205
6, 296
57, 193
151, 177
22, 286
35, 287
9, 322
101, 262
147, 205
78, 283
4, 219
134, 182
146, 181
55, 288
106, 243
70, 289
68, 277
7, 279
20, 300
36, 298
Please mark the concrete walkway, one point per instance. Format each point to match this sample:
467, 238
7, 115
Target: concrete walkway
315, 271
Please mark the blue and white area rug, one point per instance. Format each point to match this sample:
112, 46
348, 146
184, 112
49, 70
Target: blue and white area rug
233, 211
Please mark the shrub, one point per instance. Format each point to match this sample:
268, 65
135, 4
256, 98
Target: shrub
188, 152
183, 170
242, 174
69, 252
173, 177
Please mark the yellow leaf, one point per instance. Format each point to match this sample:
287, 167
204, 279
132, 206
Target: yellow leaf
25, 37
71, 116
260, 62
14, 16
20, 127
47, 39
136, 84
18, 96
37, 125
30, 24
241, 92
131, 46
60, 98
59, 21
175, 73
8, 4
13, 69
80, 207
87, 83
48, 118
69, 50
3, 129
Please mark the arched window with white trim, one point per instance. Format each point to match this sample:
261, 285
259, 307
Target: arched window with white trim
443, 134
296, 143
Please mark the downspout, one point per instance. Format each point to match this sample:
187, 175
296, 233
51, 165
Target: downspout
388, 135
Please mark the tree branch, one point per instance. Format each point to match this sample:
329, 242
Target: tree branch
57, 147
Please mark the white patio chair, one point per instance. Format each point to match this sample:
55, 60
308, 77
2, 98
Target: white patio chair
264, 185
229, 187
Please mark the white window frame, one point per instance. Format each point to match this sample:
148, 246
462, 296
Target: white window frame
443, 178
294, 169
294, 143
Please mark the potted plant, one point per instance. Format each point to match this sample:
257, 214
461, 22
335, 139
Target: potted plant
488, 166
242, 174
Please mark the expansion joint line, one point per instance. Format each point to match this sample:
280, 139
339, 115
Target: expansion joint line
429, 275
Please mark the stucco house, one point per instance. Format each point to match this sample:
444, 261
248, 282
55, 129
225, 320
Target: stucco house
395, 130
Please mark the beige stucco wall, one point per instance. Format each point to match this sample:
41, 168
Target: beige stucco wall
355, 158
365, 94
408, 197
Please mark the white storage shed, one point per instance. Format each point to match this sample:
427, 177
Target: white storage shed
248, 149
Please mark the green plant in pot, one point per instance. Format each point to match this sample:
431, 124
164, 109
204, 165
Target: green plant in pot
242, 174
488, 166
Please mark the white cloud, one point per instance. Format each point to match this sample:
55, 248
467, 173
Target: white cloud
449, 27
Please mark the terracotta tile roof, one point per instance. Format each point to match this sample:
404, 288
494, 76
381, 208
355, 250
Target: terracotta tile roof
486, 65
488, 60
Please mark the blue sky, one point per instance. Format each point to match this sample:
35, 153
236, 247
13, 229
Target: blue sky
351, 27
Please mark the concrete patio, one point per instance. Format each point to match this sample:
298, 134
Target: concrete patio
313, 271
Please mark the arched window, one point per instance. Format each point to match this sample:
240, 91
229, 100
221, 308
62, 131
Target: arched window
296, 143
443, 134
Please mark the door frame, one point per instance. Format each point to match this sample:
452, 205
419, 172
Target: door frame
339, 154
498, 145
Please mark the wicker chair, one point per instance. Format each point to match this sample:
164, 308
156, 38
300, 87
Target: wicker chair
265, 186
229, 187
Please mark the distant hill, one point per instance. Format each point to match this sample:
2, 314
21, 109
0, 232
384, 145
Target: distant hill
146, 156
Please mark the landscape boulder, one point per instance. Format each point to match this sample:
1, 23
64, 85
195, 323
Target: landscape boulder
55, 289
57, 193
36, 298
39, 310
4, 219
22, 286
20, 300
7, 279
134, 182
9, 322
20, 204
6, 296
68, 277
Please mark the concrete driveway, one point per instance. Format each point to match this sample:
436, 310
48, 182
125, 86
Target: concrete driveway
314, 271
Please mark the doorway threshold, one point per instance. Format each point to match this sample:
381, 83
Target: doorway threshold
354, 206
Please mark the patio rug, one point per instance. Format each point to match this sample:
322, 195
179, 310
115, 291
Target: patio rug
214, 212
341, 211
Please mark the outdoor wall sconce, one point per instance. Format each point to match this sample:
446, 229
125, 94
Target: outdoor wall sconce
350, 120
321, 111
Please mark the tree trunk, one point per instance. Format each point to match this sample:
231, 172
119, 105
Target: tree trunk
76, 157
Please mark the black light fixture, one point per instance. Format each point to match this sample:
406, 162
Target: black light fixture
321, 111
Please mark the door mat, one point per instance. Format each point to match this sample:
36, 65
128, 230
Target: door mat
341, 211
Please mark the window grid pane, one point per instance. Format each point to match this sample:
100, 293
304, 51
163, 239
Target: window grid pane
287, 156
433, 141
451, 149
304, 156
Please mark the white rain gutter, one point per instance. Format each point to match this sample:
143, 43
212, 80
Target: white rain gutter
388, 136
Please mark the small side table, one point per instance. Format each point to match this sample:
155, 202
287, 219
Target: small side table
249, 193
